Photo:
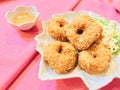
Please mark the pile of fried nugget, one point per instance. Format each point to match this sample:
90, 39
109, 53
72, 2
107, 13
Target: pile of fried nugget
76, 43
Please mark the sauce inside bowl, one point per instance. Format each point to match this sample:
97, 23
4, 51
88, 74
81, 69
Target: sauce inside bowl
22, 17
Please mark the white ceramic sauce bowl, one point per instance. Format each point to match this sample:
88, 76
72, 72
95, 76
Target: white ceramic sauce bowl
19, 9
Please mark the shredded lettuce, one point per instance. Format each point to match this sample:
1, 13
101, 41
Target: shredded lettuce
102, 21
111, 32
117, 44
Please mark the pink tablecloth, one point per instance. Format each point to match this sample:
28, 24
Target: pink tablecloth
17, 48
29, 78
105, 9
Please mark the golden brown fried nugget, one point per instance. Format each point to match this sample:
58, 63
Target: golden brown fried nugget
95, 60
83, 31
61, 56
57, 28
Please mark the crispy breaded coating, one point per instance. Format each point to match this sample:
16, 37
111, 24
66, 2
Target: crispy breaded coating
83, 31
57, 28
95, 60
61, 56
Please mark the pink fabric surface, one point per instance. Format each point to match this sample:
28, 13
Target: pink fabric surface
17, 48
105, 9
29, 78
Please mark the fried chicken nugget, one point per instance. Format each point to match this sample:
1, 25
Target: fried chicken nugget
95, 60
61, 56
83, 31
57, 28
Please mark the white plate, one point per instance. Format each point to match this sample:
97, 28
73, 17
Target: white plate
93, 82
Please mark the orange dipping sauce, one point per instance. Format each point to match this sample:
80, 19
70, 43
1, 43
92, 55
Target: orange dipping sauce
22, 17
